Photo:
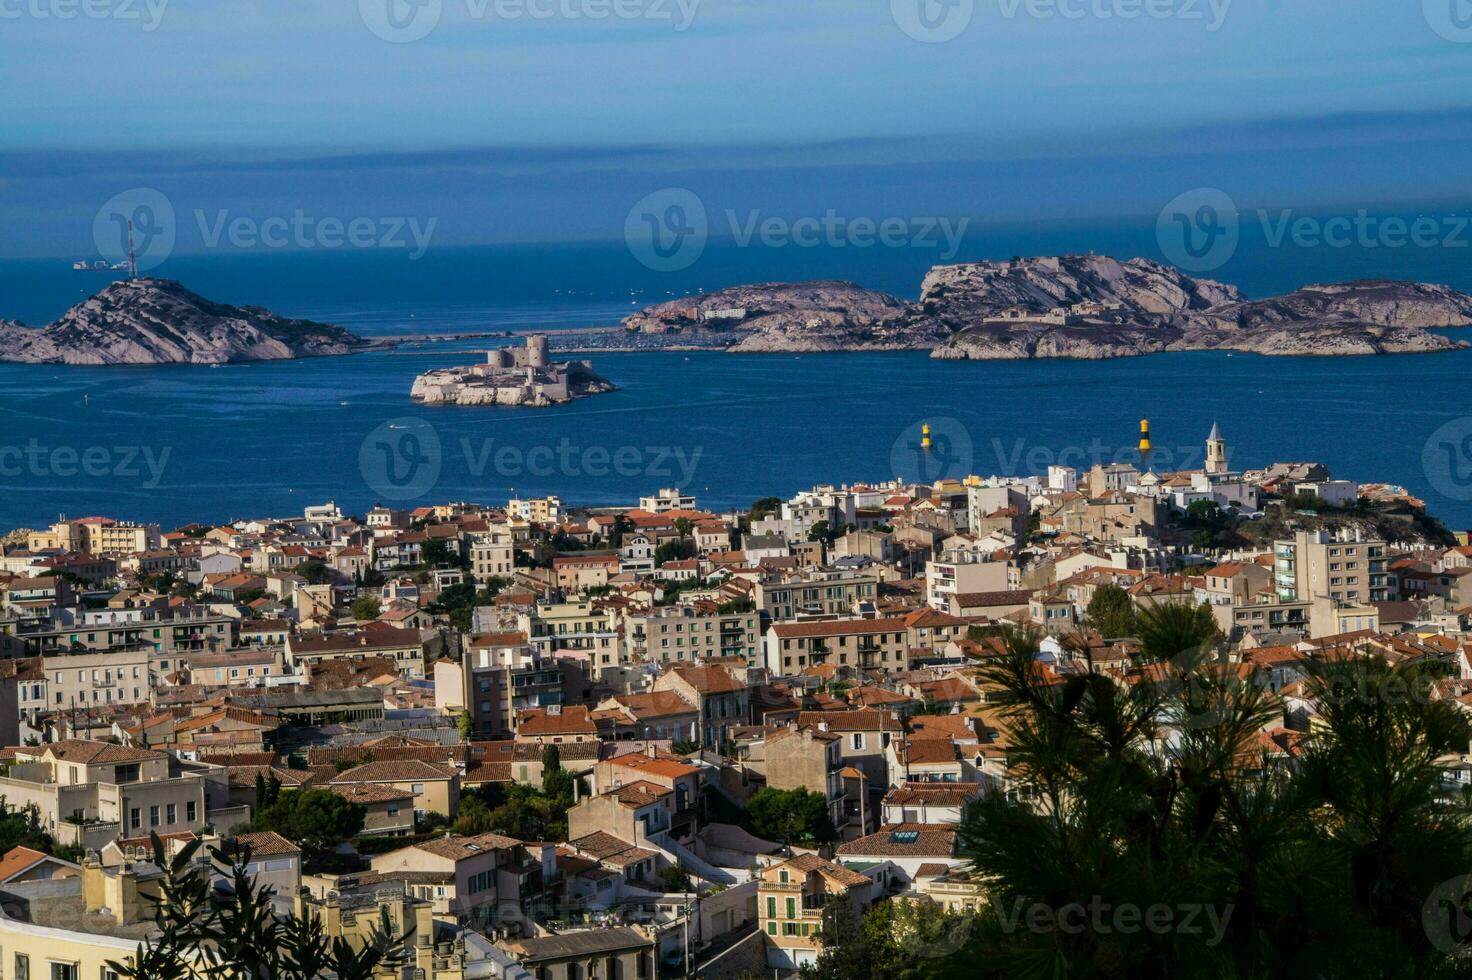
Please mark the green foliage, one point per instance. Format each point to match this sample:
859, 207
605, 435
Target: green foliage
898, 939
791, 816
677, 550
315, 572
366, 607
315, 818
765, 507
1158, 795
240, 937
673, 878
465, 725
1111, 612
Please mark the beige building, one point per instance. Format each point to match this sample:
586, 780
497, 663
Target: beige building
672, 633
791, 900
863, 643
405, 647
90, 793
434, 787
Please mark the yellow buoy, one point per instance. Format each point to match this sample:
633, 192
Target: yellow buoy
925, 437
1144, 435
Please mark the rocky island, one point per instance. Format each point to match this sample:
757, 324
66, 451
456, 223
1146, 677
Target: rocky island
520, 377
1072, 306
158, 321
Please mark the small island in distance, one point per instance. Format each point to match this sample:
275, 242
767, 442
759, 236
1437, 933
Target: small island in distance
1068, 306
512, 376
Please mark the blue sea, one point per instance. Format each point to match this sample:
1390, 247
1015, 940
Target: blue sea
179, 444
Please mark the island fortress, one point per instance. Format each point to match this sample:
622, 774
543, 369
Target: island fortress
512, 376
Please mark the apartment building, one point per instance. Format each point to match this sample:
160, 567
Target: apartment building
1347, 565
792, 898
959, 573
503, 675
686, 633
863, 643
91, 793
831, 593
405, 647
97, 536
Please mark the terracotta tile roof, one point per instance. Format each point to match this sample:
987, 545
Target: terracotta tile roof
904, 840
409, 770
264, 844
861, 720
709, 680
19, 859
811, 863
94, 753
572, 719
638, 793
664, 768
460, 848
838, 627
370, 793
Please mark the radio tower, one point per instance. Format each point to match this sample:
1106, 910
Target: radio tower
132, 256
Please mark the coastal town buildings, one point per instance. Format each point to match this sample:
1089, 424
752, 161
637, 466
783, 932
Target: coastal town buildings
658, 666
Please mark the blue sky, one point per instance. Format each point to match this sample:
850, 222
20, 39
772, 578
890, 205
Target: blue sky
511, 127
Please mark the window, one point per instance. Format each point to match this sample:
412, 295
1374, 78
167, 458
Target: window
792, 908
153, 816
771, 907
63, 971
190, 811
858, 741
171, 813
135, 818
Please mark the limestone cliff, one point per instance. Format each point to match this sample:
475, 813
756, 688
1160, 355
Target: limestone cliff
158, 321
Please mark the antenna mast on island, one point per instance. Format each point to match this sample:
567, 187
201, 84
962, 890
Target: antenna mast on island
132, 255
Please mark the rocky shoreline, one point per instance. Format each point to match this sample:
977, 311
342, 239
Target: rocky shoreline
158, 321
1079, 306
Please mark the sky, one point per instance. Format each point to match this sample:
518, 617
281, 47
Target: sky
546, 120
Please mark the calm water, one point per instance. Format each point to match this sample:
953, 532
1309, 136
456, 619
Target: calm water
194, 443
